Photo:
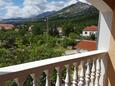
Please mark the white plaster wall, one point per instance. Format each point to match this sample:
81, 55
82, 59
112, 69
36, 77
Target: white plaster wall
88, 33
105, 24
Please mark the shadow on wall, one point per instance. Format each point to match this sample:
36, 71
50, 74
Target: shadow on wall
110, 2
110, 72
111, 54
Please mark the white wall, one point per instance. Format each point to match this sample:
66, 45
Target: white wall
89, 33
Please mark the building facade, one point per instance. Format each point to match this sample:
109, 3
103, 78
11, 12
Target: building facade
90, 30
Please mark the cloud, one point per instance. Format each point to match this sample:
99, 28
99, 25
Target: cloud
27, 9
12, 11
71, 2
1, 2
85, 1
32, 7
33, 2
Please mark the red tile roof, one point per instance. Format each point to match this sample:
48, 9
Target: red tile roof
6, 26
90, 28
86, 45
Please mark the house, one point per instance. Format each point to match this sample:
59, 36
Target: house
85, 45
6, 26
97, 68
89, 30
30, 28
60, 30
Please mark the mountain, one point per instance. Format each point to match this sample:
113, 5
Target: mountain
13, 20
34, 18
45, 14
77, 10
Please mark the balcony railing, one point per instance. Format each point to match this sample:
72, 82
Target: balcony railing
86, 69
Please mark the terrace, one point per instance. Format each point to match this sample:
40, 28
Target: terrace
88, 69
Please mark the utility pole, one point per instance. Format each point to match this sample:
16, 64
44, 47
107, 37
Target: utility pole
47, 29
47, 26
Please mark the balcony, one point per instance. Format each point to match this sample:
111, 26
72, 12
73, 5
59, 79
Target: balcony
87, 69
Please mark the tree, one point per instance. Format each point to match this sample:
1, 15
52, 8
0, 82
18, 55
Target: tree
37, 30
67, 29
53, 31
73, 35
92, 37
68, 42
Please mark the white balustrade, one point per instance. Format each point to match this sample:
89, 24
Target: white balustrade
67, 79
58, 80
98, 72
35, 78
93, 75
47, 78
2, 83
81, 80
88, 75
20, 80
75, 75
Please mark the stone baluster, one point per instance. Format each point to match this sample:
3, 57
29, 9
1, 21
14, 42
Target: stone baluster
67, 79
81, 80
98, 71
93, 74
20, 81
2, 83
87, 76
47, 78
75, 75
58, 80
35, 78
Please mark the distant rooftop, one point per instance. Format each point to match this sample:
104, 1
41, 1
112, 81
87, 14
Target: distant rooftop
90, 28
6, 26
86, 45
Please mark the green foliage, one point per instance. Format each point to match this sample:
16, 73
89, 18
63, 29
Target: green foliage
26, 48
53, 31
92, 37
37, 30
73, 35
67, 29
29, 81
11, 83
68, 42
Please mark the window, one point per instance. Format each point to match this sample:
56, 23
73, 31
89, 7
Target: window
85, 32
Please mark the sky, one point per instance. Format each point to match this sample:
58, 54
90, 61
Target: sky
28, 8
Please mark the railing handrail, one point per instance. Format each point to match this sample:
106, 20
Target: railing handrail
36, 64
